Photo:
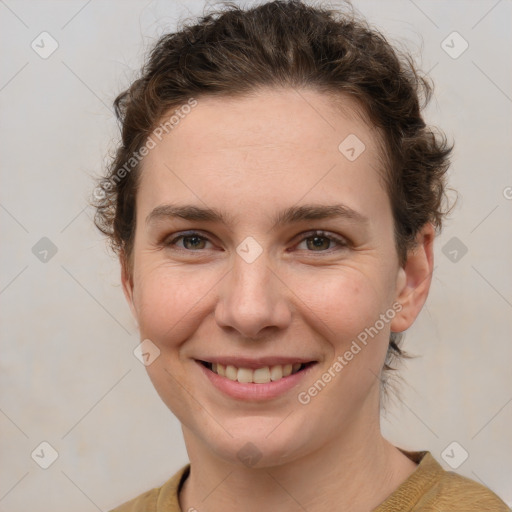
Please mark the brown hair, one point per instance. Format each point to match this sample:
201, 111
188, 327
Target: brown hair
233, 51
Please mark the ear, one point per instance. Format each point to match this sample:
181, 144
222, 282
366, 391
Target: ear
413, 281
127, 282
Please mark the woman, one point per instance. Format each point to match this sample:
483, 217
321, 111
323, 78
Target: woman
274, 204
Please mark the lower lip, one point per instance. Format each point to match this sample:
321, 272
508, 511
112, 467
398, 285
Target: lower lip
254, 392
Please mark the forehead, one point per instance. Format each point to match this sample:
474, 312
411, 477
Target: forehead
256, 147
265, 117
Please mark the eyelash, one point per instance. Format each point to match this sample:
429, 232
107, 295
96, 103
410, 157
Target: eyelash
343, 243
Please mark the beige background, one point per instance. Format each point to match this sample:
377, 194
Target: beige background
68, 374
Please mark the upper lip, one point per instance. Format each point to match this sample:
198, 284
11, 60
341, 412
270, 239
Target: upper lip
253, 363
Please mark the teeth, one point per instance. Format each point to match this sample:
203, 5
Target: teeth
257, 376
244, 375
287, 370
231, 372
276, 372
261, 375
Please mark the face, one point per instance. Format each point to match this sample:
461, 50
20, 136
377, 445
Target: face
261, 249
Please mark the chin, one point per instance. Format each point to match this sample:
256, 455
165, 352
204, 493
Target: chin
261, 442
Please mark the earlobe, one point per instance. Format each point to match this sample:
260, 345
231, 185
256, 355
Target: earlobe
414, 279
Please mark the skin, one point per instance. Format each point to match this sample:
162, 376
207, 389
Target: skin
252, 157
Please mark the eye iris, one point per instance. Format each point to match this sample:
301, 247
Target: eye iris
317, 242
194, 245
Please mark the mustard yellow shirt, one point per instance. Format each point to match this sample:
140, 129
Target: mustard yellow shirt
429, 488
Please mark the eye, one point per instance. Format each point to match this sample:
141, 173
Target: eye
192, 241
320, 241
316, 241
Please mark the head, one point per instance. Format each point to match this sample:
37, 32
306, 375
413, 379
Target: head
276, 195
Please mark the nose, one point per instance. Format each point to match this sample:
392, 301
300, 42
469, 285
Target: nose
253, 299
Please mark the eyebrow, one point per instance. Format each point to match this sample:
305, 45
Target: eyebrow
291, 215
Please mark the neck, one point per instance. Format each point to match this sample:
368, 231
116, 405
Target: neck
355, 471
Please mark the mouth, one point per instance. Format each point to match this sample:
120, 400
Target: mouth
259, 375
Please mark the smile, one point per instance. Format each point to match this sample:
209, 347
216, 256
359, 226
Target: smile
254, 380
262, 375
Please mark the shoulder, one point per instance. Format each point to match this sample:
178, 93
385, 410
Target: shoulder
439, 489
145, 502
456, 492
430, 488
158, 499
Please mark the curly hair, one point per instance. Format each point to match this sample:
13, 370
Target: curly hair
234, 51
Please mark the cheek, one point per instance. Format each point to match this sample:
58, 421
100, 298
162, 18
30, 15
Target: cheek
343, 302
168, 301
